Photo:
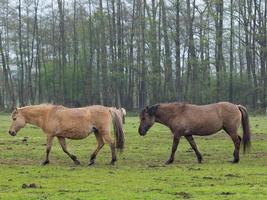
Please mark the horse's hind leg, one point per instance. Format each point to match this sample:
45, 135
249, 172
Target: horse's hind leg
48, 149
62, 142
108, 139
191, 141
236, 140
100, 144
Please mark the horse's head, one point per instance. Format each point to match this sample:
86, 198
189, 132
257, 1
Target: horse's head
18, 122
147, 119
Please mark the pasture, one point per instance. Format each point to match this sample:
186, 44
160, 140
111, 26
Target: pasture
140, 172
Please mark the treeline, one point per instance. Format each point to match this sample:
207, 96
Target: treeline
132, 53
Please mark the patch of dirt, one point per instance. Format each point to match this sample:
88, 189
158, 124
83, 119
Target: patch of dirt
226, 193
31, 185
189, 150
184, 195
25, 139
66, 190
260, 154
232, 175
72, 168
193, 169
18, 162
258, 174
206, 154
156, 189
155, 165
208, 177
258, 136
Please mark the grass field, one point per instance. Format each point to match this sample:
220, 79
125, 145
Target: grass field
140, 172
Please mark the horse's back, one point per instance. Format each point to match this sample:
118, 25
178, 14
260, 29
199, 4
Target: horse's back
207, 119
90, 113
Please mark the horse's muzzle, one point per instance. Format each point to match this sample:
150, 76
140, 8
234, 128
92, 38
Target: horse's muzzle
141, 131
12, 133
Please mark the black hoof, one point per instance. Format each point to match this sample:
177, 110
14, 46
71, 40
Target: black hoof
77, 162
45, 162
113, 161
91, 163
168, 162
235, 161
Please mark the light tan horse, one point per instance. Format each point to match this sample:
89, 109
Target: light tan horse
188, 120
72, 123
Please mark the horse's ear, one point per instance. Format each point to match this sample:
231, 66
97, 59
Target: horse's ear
147, 107
152, 110
16, 110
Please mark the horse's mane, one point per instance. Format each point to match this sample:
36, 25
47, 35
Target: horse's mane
167, 104
181, 106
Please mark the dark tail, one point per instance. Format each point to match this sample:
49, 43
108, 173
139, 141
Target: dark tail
118, 131
246, 129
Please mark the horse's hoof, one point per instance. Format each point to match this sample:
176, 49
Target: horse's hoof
45, 162
235, 161
113, 162
77, 162
168, 162
199, 161
91, 163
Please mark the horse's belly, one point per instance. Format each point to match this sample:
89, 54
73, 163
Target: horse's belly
75, 136
75, 133
204, 129
204, 133
78, 137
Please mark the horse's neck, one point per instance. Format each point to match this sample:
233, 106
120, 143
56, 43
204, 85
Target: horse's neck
163, 115
34, 115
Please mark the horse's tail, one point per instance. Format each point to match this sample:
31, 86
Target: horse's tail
123, 113
118, 130
246, 129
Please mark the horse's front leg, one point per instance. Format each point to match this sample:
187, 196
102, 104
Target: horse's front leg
48, 148
176, 139
63, 145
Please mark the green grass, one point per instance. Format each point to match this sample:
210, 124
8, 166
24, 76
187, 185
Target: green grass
140, 172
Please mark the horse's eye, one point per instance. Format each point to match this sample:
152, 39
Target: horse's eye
143, 118
14, 119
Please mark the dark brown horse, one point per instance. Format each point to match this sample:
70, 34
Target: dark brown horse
188, 120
